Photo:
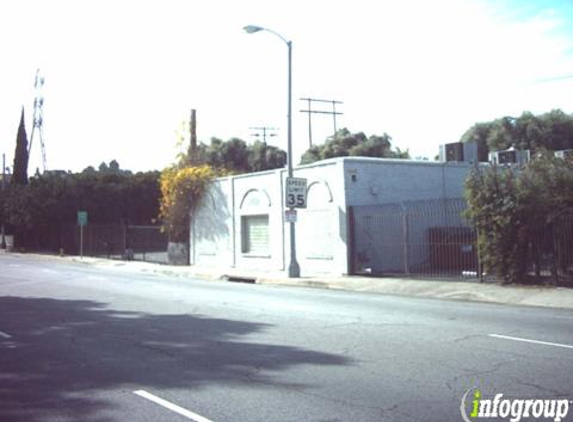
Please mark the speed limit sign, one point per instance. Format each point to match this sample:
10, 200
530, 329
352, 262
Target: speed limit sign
295, 192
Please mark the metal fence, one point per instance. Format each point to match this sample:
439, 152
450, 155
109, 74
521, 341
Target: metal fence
143, 243
425, 238
550, 255
433, 239
138, 243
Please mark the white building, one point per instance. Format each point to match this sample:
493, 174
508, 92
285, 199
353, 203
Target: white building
240, 223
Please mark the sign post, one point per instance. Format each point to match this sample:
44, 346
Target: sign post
82, 221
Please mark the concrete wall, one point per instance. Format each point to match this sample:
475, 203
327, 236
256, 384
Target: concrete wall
321, 227
212, 223
259, 194
372, 181
216, 224
320, 230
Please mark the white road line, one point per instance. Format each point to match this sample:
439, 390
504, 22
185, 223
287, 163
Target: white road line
173, 407
525, 340
4, 335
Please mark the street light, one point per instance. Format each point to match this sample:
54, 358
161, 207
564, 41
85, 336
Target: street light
2, 229
293, 269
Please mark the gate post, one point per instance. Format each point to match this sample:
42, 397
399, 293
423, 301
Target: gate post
350, 267
405, 250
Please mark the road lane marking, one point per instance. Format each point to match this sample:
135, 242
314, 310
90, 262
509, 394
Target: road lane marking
525, 340
173, 407
5, 335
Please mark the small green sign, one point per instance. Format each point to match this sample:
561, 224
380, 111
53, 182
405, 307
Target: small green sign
82, 218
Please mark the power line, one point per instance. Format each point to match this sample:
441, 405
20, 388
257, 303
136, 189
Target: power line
263, 132
310, 111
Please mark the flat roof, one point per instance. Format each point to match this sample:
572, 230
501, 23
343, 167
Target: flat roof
355, 159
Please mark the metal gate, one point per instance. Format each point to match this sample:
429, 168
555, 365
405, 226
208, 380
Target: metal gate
422, 238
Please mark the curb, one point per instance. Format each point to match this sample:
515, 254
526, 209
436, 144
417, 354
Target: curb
466, 291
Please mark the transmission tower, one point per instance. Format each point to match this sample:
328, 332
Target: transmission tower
38, 120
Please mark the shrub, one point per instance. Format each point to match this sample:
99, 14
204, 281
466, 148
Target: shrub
181, 191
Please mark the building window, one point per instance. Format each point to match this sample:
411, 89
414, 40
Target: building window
255, 235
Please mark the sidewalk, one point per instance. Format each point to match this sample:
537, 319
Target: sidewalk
470, 290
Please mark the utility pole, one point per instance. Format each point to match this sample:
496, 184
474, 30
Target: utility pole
193, 136
310, 111
264, 131
193, 129
3, 241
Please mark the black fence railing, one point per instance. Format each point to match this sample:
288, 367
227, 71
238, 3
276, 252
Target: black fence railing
551, 254
144, 243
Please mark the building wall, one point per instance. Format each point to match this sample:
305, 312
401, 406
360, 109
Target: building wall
217, 230
396, 203
321, 227
371, 181
259, 194
212, 224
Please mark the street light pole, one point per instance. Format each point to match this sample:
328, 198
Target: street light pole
3, 241
294, 268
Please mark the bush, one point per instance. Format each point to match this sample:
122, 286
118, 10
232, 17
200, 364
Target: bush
512, 208
181, 191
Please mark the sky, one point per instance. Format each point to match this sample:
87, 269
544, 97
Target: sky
122, 76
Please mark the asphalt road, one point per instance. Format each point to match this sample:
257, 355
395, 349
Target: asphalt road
82, 343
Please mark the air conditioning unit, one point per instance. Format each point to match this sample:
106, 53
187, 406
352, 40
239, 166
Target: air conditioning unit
471, 152
460, 151
510, 156
566, 154
452, 152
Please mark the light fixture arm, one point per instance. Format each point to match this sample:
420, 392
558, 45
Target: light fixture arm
251, 29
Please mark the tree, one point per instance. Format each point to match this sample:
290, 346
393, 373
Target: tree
20, 169
89, 170
560, 133
492, 206
38, 212
513, 209
345, 144
261, 156
235, 156
551, 131
112, 168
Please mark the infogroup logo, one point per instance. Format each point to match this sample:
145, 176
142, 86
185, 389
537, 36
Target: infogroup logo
511, 409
